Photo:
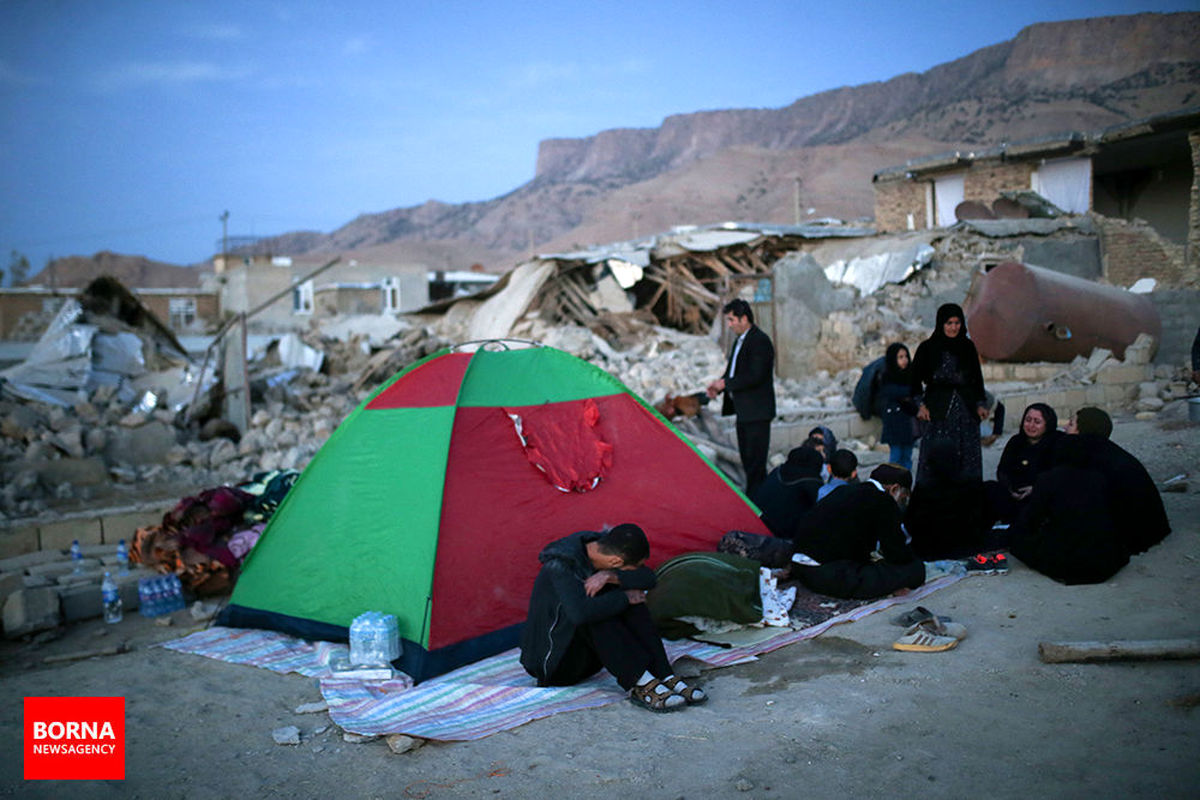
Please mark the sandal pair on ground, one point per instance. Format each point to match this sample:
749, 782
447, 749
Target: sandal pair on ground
928, 633
677, 695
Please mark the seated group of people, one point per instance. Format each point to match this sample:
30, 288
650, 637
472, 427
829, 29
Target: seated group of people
1071, 504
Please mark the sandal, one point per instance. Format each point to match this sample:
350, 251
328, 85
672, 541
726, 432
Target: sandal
692, 695
919, 639
918, 614
645, 697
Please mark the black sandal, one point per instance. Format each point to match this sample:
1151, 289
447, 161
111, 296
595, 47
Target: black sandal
692, 695
645, 697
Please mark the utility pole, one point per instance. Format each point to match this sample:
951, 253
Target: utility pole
225, 234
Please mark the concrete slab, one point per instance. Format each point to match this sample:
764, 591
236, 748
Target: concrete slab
22, 562
59, 534
31, 610
83, 601
62, 567
17, 540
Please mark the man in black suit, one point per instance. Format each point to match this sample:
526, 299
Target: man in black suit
749, 387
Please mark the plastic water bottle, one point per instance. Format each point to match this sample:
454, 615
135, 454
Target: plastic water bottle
76, 557
145, 598
175, 592
122, 558
374, 639
112, 600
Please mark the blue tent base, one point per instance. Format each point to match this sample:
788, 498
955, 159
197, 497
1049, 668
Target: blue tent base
420, 664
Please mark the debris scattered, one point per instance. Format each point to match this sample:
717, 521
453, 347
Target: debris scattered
288, 734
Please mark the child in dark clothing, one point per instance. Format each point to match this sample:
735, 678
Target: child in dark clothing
896, 406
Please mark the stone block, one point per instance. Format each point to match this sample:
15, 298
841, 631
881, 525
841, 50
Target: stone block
16, 542
90, 575
98, 551
1093, 394
124, 525
83, 601
1098, 357
10, 582
1026, 372
862, 428
1115, 372
59, 535
1116, 395
63, 566
31, 610
1075, 399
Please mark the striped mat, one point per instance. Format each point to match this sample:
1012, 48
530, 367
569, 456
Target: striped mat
480, 699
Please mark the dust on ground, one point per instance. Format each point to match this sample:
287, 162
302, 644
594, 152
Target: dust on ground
842, 715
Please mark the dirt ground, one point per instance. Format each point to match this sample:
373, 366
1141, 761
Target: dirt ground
842, 715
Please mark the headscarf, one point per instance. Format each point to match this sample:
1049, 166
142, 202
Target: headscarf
892, 371
1047, 414
1094, 421
958, 345
802, 462
827, 437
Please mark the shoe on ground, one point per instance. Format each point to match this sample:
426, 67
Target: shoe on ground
919, 639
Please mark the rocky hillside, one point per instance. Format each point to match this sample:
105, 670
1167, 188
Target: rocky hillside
747, 164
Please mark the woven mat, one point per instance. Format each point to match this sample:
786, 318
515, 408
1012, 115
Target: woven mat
495, 694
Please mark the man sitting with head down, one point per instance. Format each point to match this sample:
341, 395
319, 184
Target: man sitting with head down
587, 612
842, 531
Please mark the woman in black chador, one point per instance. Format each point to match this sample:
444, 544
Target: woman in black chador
948, 381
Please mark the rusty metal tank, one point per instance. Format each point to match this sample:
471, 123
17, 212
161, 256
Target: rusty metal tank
1018, 312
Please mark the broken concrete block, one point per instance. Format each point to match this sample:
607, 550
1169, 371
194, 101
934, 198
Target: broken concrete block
89, 471
312, 708
1153, 404
145, 444
10, 582
288, 734
64, 566
1141, 351
1097, 358
21, 563
358, 738
83, 601
30, 610
400, 743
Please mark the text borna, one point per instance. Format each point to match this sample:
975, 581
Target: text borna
73, 730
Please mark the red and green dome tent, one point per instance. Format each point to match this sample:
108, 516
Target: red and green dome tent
433, 498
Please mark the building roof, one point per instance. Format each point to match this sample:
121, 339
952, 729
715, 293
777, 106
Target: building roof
1055, 144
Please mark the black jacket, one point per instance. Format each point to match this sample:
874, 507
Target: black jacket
848, 523
559, 604
750, 393
1067, 531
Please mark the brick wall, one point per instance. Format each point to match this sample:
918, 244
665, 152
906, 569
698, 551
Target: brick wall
984, 183
1133, 250
895, 200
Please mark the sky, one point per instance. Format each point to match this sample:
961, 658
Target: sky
133, 126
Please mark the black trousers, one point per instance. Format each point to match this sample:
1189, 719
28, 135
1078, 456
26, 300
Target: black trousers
626, 645
754, 441
850, 579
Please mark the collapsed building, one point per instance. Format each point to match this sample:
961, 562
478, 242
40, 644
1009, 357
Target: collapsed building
831, 295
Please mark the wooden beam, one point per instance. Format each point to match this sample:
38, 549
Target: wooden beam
1129, 650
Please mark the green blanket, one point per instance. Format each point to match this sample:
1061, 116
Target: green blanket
713, 585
